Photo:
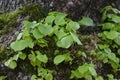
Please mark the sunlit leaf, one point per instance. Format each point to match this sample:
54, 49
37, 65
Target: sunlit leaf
114, 18
22, 55
29, 24
19, 36
49, 19
45, 29
26, 32
3, 77
75, 38
111, 35
59, 20
34, 77
37, 34
72, 26
99, 78
18, 45
108, 26
61, 33
11, 64
86, 21
41, 57
59, 59
92, 70
65, 42
49, 77
67, 57
29, 42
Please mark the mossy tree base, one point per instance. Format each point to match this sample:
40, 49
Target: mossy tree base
11, 24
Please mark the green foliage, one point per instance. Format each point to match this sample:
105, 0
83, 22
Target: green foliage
86, 21
107, 56
60, 58
111, 35
2, 77
57, 27
110, 77
11, 63
43, 74
85, 71
46, 42
64, 34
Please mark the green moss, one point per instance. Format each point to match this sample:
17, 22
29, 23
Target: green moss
31, 11
11, 20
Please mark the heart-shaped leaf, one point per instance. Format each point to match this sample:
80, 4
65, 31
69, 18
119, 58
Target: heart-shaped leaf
86, 21
72, 26
65, 42
45, 29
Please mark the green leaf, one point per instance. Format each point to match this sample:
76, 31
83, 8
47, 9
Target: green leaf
67, 57
59, 20
104, 16
88, 77
49, 19
22, 55
29, 42
86, 21
28, 24
11, 64
103, 46
118, 51
72, 26
2, 77
104, 12
49, 77
54, 13
110, 77
34, 77
45, 29
107, 50
61, 33
117, 40
111, 35
75, 74
65, 42
83, 69
42, 58
37, 34
59, 59
32, 57
75, 38
99, 78
114, 18
42, 42
80, 53
112, 57
18, 45
108, 26
92, 71
26, 32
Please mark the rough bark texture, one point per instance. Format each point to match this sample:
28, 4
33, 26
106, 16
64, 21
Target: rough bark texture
75, 8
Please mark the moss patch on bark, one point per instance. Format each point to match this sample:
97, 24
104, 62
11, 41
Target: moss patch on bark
11, 22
